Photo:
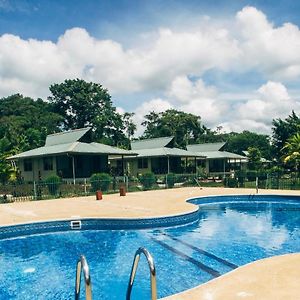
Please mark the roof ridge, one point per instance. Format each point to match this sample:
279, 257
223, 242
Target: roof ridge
161, 137
72, 130
73, 145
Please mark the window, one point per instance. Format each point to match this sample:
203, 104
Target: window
143, 163
48, 163
27, 165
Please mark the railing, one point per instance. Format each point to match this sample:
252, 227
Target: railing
38, 190
83, 266
134, 269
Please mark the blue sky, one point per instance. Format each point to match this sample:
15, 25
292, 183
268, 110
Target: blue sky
234, 63
48, 19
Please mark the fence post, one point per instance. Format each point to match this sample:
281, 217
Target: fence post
127, 182
85, 191
34, 190
256, 184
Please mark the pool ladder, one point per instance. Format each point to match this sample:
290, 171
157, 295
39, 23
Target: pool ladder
134, 269
82, 266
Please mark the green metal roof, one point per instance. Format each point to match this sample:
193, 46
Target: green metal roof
163, 151
73, 148
69, 143
206, 147
221, 154
66, 137
151, 143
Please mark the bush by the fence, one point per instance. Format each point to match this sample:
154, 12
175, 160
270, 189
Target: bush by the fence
170, 178
147, 180
53, 182
100, 182
230, 182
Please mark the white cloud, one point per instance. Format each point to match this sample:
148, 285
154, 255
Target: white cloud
272, 101
269, 49
197, 98
156, 105
164, 65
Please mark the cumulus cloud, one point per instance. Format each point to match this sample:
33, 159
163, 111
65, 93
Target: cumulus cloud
165, 65
156, 105
272, 101
272, 50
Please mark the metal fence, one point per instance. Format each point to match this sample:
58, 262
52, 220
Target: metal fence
50, 190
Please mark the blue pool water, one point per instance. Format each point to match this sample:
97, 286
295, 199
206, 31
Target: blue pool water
229, 233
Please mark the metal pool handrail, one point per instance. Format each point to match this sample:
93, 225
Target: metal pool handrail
82, 265
134, 269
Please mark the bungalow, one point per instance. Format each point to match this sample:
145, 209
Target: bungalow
217, 160
158, 155
71, 155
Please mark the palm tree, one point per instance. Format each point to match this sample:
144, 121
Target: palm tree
292, 148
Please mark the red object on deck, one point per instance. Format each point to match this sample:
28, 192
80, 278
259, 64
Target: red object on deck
122, 191
98, 195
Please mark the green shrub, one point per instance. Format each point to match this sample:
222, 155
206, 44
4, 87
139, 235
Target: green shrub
100, 182
230, 182
170, 180
147, 180
53, 182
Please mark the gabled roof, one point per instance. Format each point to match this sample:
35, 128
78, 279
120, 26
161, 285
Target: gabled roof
206, 147
164, 151
222, 154
151, 143
66, 137
213, 151
73, 148
69, 143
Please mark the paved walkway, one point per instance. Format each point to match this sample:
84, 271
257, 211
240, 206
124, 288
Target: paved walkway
274, 278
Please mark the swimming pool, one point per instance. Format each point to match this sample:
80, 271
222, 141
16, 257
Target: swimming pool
229, 232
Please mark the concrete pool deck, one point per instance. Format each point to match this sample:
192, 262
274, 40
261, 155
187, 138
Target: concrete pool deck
272, 278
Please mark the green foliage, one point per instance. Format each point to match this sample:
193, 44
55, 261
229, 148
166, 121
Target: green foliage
185, 127
292, 150
239, 142
83, 104
147, 180
25, 123
100, 182
230, 182
254, 158
129, 125
170, 180
53, 182
282, 131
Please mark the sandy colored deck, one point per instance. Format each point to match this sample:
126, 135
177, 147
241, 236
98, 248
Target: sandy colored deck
271, 279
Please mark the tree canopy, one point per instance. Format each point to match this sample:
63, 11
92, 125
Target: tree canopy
282, 131
83, 104
185, 127
25, 123
254, 158
292, 150
240, 142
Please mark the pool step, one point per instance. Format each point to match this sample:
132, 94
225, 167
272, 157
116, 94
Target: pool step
204, 260
195, 262
208, 254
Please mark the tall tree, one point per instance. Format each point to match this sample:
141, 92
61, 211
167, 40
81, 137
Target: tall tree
129, 125
239, 142
282, 131
254, 158
186, 128
88, 104
25, 123
292, 150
